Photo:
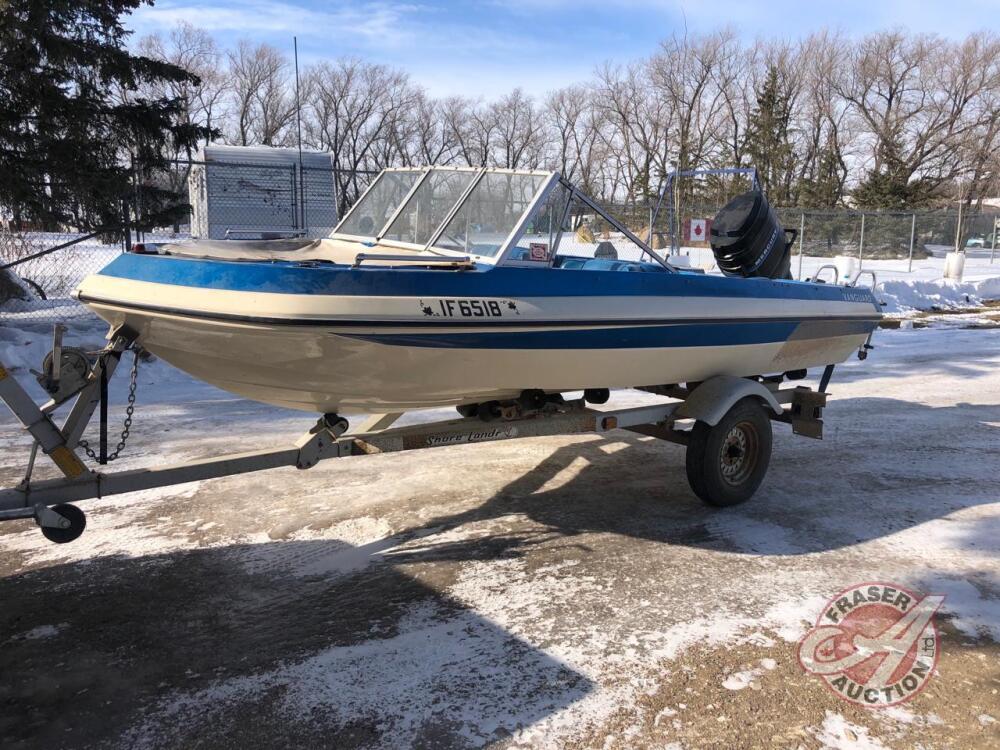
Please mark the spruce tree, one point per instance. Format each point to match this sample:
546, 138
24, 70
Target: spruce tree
767, 137
823, 189
74, 133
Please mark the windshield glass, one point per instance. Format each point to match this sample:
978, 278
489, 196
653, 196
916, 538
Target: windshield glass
371, 213
428, 206
490, 213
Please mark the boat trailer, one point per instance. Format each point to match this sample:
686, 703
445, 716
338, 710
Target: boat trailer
724, 422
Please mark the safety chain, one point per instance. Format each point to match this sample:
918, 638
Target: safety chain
129, 411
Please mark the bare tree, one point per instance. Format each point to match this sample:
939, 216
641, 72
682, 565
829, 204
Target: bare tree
424, 135
575, 125
262, 100
519, 129
892, 118
823, 124
194, 50
913, 95
355, 112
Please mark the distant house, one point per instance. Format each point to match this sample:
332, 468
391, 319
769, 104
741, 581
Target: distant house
246, 192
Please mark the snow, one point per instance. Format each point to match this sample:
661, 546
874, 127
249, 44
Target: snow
40, 632
748, 677
837, 733
903, 289
430, 653
907, 295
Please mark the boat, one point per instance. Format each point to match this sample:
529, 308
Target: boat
465, 286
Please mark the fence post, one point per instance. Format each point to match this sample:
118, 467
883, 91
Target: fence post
861, 246
993, 247
913, 231
802, 234
958, 227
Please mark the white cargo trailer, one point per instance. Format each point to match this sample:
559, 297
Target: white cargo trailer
261, 192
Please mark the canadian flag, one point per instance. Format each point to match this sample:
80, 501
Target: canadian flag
698, 229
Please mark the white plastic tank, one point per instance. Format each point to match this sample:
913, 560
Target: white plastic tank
954, 265
847, 267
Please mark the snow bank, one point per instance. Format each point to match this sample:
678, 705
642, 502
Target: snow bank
908, 295
13, 289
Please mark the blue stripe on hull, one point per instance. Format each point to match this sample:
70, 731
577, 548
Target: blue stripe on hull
283, 277
641, 337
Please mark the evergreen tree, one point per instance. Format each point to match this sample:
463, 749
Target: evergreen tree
824, 188
767, 137
74, 134
889, 184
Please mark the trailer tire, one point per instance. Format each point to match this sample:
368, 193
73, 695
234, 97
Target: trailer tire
726, 463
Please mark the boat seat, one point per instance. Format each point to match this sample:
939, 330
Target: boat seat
579, 263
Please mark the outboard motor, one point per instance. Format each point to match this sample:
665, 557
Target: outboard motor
748, 239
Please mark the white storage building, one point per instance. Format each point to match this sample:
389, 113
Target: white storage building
246, 192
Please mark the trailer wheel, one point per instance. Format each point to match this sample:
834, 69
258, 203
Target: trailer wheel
77, 523
726, 463
468, 410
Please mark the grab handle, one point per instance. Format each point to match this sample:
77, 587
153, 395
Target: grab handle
815, 277
859, 274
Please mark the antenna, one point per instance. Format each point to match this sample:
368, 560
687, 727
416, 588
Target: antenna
298, 128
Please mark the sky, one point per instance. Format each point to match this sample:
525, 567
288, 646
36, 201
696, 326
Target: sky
489, 47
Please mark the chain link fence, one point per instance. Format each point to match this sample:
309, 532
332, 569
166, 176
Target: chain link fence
866, 235
40, 267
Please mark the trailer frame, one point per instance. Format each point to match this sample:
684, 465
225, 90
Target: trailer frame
47, 501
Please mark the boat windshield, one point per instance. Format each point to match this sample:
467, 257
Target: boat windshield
429, 205
490, 213
371, 213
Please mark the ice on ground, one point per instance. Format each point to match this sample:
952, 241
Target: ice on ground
740, 680
970, 611
837, 733
40, 632
903, 715
354, 545
748, 677
402, 680
792, 555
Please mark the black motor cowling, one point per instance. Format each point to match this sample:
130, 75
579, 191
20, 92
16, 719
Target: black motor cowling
748, 239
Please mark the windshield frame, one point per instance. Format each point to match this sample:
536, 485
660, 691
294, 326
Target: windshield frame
574, 194
501, 257
477, 173
515, 231
356, 205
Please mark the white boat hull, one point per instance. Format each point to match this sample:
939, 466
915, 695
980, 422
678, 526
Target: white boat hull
330, 369
340, 339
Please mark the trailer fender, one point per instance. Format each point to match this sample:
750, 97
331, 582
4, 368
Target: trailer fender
710, 401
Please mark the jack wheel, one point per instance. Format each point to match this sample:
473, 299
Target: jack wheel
596, 395
727, 463
77, 523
